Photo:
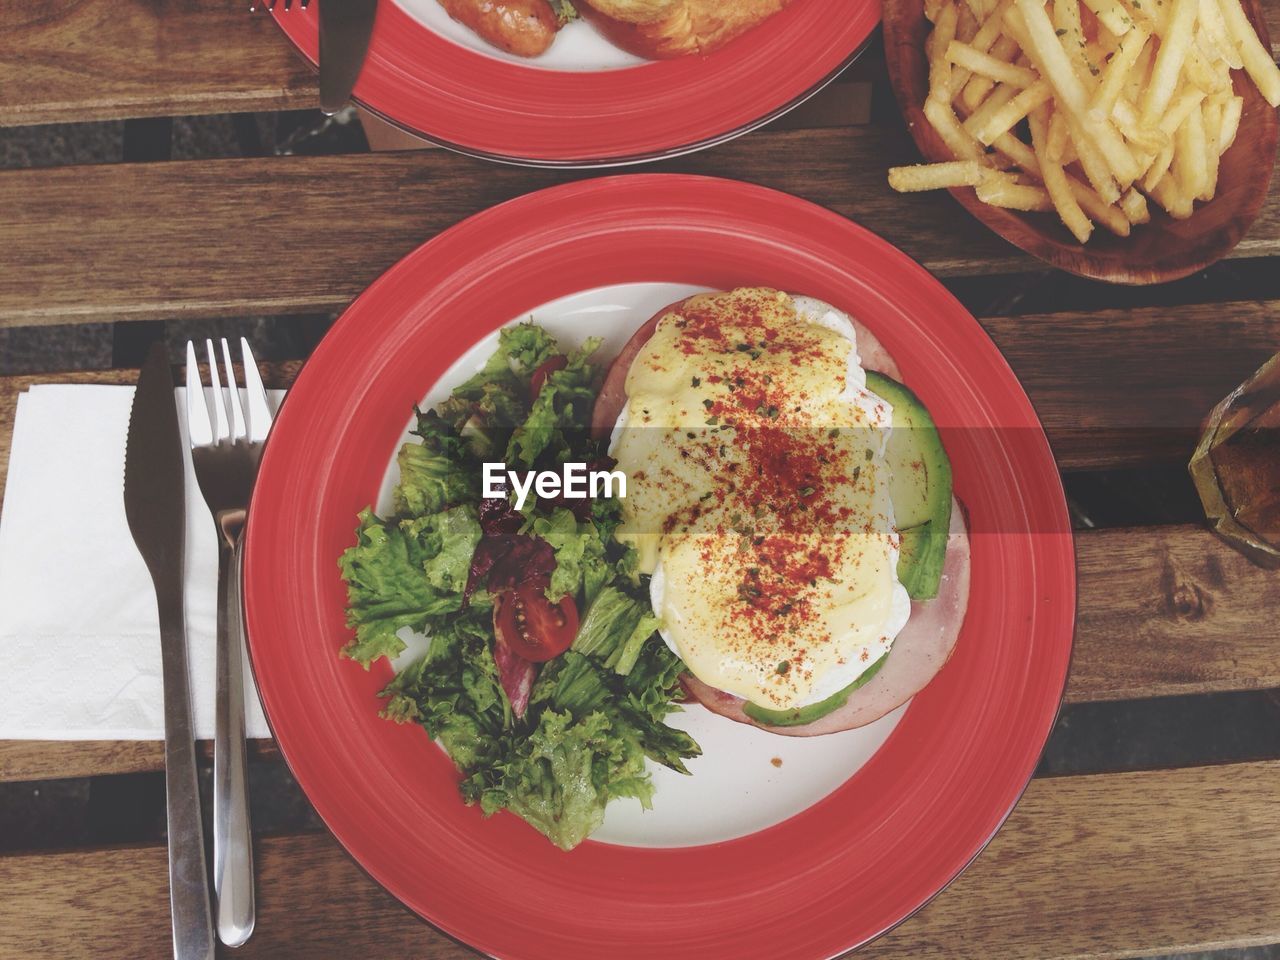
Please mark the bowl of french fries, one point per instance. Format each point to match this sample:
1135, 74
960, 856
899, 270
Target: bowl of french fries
1125, 140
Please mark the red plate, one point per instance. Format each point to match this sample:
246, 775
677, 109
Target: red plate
481, 105
830, 878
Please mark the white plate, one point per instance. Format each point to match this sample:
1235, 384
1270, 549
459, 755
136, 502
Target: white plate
746, 779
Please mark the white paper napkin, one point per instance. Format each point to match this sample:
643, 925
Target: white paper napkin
79, 632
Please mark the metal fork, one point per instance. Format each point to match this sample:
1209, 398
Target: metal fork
226, 446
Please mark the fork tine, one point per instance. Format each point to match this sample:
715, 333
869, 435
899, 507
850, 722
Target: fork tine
238, 431
220, 429
199, 430
255, 396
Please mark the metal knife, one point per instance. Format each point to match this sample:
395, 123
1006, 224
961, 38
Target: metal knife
155, 504
345, 28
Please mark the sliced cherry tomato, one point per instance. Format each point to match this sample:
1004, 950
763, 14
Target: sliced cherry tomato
531, 625
540, 375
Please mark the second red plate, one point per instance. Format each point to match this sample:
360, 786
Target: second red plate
484, 104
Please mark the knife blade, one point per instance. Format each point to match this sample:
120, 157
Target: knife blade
155, 505
345, 28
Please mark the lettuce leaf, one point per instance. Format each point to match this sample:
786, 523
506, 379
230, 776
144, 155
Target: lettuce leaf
560, 415
580, 563
403, 574
526, 347
608, 623
562, 775
429, 482
454, 692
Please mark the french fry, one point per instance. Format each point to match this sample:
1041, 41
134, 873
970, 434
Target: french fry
1134, 205
966, 30
1141, 72
1179, 110
1051, 59
1174, 44
1094, 164
1017, 151
1004, 119
1159, 167
1189, 165
1257, 59
943, 119
980, 9
1106, 43
1001, 95
1104, 98
939, 64
932, 9
991, 30
1005, 48
1230, 123
985, 65
1066, 21
1199, 72
937, 176
1055, 179
1058, 137
1170, 197
1125, 115
1014, 196
1111, 15
1212, 114
1107, 214
1213, 31
979, 41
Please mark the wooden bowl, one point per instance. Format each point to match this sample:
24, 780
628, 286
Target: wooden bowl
1164, 249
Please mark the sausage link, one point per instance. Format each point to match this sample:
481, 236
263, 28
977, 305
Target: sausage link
521, 27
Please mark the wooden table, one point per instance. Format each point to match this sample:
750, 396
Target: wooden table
1118, 864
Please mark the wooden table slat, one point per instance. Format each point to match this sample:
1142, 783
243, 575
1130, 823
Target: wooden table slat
298, 234
71, 60
1081, 870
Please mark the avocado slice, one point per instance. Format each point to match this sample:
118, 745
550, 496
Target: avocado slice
920, 487
799, 716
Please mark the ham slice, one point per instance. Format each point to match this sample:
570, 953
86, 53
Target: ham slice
925, 643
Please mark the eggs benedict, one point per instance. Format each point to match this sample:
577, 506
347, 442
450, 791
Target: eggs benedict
790, 536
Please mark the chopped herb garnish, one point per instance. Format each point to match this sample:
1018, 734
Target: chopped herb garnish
697, 381
783, 667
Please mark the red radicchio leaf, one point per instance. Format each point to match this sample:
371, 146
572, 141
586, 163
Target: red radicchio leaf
497, 517
515, 673
506, 561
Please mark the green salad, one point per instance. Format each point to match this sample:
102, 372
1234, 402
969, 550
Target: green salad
545, 678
